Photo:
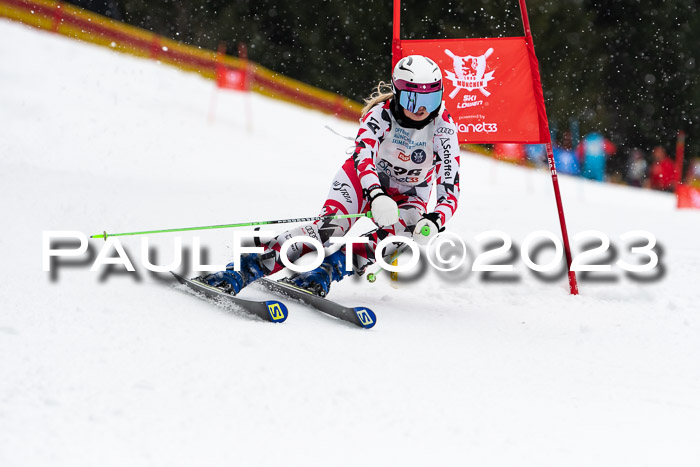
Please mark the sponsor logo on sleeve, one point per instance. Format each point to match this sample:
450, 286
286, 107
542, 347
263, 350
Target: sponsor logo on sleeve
343, 189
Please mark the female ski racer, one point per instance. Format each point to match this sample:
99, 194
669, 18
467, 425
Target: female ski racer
405, 141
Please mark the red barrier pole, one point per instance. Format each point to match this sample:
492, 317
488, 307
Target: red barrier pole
547, 138
155, 47
396, 53
243, 55
680, 155
219, 77
57, 17
220, 67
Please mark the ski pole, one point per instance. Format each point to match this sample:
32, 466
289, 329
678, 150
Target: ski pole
104, 235
372, 276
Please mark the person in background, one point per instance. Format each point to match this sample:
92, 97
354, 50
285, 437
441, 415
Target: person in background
636, 168
662, 174
536, 154
693, 177
592, 151
564, 157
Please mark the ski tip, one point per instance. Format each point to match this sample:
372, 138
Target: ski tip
366, 316
277, 310
179, 278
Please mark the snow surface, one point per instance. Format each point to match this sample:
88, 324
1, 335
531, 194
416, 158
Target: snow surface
101, 368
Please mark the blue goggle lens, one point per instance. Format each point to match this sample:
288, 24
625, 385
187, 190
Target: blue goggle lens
412, 101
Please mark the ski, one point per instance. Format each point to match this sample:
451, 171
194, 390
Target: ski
359, 316
270, 310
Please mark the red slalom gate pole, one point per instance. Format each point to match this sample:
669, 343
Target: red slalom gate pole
547, 138
396, 53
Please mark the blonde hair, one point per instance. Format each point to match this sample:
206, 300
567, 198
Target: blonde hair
382, 93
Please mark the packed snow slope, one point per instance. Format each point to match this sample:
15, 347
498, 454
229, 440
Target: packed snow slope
110, 368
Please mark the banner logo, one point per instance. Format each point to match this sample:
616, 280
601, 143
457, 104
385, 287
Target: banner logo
480, 127
469, 73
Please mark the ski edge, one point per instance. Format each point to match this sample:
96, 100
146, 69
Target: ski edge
269, 310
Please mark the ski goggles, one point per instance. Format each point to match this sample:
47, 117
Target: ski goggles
414, 96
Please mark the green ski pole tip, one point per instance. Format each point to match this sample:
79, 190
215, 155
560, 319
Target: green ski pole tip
103, 235
425, 231
371, 277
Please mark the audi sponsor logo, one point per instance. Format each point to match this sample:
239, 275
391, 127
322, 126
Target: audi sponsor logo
444, 131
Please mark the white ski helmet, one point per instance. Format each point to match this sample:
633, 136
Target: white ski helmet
417, 82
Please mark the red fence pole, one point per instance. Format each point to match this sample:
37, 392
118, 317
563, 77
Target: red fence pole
155, 47
220, 75
57, 17
243, 55
547, 138
680, 155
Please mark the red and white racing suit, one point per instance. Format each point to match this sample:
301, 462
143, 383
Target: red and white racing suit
403, 161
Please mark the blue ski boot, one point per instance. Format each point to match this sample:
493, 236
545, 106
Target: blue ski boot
319, 280
231, 281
